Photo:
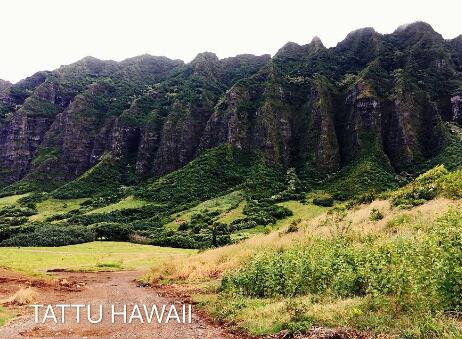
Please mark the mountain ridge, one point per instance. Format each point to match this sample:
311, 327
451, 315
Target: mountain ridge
310, 107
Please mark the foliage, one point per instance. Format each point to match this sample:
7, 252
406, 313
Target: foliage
51, 235
435, 182
105, 178
370, 173
264, 212
323, 199
419, 275
376, 215
211, 174
111, 231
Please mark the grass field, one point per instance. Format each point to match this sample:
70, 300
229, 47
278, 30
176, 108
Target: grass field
92, 256
300, 211
50, 207
128, 202
233, 214
225, 204
5, 315
11, 200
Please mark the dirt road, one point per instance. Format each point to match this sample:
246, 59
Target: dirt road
107, 288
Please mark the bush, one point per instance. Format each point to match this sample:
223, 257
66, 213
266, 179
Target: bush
376, 215
112, 231
51, 235
422, 189
324, 199
205, 238
419, 275
450, 185
435, 182
264, 212
293, 227
242, 224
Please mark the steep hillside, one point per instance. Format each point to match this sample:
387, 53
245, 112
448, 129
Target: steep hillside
386, 269
309, 124
313, 108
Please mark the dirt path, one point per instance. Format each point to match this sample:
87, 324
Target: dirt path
106, 288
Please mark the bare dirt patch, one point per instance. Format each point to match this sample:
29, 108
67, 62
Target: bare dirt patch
100, 288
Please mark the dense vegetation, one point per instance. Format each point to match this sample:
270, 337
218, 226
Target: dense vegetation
214, 173
388, 267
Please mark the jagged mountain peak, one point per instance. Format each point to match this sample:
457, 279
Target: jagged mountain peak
5, 84
457, 42
245, 57
414, 32
157, 112
360, 39
416, 27
148, 57
316, 41
290, 49
360, 33
89, 59
205, 57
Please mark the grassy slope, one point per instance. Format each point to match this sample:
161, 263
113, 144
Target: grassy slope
231, 215
10, 200
128, 202
207, 266
229, 202
90, 256
269, 315
300, 212
51, 207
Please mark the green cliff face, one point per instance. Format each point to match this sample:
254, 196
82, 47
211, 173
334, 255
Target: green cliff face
318, 110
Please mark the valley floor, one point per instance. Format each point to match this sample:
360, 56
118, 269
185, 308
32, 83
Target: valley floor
92, 256
100, 288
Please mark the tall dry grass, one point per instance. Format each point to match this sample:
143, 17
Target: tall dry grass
210, 264
24, 296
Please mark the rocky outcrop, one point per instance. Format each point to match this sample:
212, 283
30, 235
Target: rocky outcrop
456, 104
172, 135
320, 137
254, 115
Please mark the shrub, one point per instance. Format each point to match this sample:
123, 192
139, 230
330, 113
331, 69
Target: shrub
435, 182
51, 235
324, 199
419, 275
264, 212
112, 231
242, 224
293, 227
376, 215
450, 185
423, 188
394, 223
24, 296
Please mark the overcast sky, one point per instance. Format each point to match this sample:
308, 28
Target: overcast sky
44, 34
